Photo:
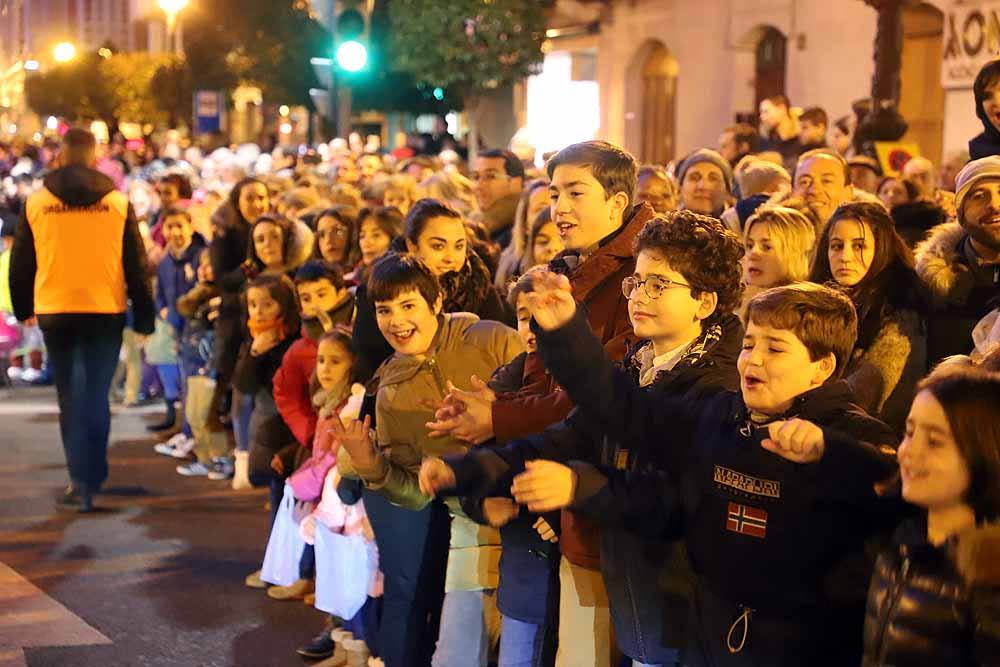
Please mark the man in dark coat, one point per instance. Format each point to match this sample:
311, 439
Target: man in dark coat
78, 260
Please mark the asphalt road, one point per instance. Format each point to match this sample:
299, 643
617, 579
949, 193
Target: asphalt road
154, 578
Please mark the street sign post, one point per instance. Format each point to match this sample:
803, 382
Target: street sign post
208, 109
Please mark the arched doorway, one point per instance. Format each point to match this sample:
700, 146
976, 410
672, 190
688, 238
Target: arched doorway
769, 65
922, 96
651, 104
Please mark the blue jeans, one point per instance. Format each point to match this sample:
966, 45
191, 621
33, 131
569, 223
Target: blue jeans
464, 637
84, 356
241, 411
170, 378
521, 644
413, 554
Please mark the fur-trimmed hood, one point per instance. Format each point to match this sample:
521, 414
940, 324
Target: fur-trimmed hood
977, 556
939, 259
301, 247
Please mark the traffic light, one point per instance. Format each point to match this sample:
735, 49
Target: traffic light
351, 34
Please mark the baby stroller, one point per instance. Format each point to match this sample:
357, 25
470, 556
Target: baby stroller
10, 339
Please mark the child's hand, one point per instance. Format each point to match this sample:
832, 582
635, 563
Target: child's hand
797, 440
325, 321
465, 415
264, 342
278, 466
163, 313
355, 437
551, 300
545, 531
435, 475
500, 511
545, 486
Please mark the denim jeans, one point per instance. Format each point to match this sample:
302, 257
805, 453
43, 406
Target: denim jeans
521, 644
242, 409
83, 360
170, 378
413, 553
469, 621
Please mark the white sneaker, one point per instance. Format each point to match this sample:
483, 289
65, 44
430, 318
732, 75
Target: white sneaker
15, 372
31, 375
167, 448
193, 469
184, 448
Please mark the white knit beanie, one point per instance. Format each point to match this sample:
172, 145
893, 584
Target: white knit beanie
971, 174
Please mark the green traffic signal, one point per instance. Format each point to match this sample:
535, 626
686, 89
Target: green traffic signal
352, 56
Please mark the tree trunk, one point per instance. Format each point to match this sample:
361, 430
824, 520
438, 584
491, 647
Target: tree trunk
471, 105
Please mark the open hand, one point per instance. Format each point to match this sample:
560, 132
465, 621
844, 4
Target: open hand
500, 511
278, 466
465, 415
435, 475
355, 437
545, 486
797, 440
551, 300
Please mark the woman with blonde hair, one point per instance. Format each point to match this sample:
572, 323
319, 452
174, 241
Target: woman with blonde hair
780, 243
453, 189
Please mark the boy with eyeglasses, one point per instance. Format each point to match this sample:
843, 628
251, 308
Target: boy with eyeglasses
592, 192
681, 297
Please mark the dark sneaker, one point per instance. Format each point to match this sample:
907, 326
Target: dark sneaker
76, 499
221, 468
320, 646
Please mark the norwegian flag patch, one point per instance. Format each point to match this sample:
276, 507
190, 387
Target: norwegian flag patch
747, 520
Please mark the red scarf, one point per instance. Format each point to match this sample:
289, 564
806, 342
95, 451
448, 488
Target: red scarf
257, 327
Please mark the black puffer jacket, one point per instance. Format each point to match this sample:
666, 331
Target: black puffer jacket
923, 611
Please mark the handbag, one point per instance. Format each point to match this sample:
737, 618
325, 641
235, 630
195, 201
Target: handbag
345, 568
285, 545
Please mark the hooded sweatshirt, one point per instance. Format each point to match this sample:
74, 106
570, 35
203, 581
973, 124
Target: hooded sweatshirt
78, 251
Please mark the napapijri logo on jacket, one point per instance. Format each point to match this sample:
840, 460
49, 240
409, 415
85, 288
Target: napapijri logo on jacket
746, 520
747, 484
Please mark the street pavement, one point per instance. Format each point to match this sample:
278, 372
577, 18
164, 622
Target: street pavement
154, 578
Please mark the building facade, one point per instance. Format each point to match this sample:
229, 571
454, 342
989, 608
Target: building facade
671, 74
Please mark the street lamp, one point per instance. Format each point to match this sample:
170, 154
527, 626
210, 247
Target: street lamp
64, 52
172, 8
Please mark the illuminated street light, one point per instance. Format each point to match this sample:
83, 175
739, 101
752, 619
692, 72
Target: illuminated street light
64, 52
31, 65
104, 52
52, 123
172, 8
283, 110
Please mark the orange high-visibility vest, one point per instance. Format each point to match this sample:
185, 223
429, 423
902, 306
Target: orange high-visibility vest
78, 250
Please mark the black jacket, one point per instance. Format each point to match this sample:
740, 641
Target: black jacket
79, 187
987, 142
770, 541
648, 579
227, 252
922, 611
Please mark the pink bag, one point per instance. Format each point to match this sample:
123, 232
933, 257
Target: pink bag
307, 481
10, 334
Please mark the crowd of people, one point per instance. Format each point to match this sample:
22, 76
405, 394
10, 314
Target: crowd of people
740, 409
